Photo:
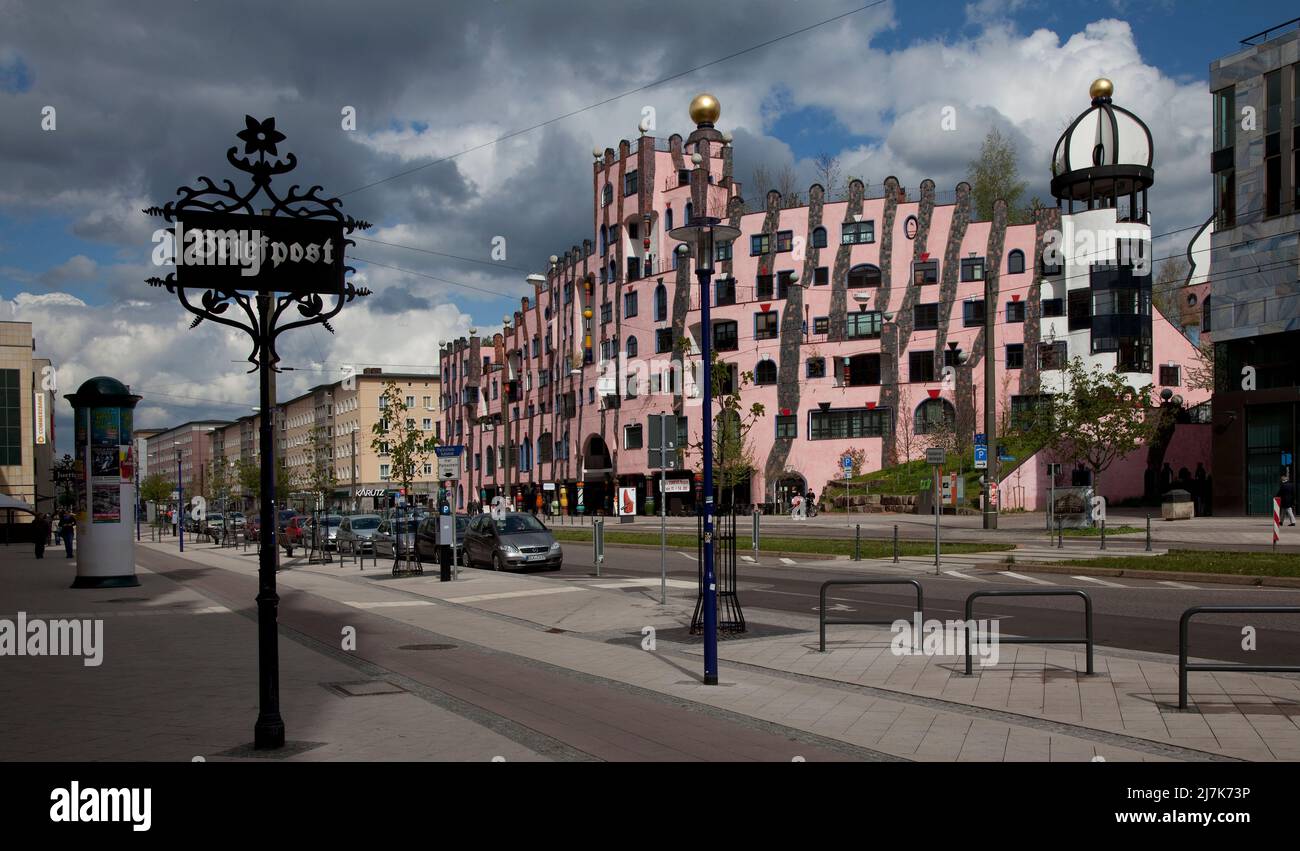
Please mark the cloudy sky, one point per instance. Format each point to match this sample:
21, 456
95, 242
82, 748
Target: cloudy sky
147, 96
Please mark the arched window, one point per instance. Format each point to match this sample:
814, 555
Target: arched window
607, 195
690, 209
864, 275
1205, 314
669, 219
1015, 262
631, 347
765, 372
604, 240
819, 237
661, 303
934, 415
491, 458
613, 271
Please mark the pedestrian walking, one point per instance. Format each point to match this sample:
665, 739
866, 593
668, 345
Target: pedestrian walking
68, 529
1285, 494
41, 528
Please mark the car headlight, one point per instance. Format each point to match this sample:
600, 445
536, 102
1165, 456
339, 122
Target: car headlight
555, 546
511, 549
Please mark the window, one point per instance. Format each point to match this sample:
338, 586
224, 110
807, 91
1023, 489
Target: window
604, 240
760, 243
722, 251
857, 233
629, 183
925, 272
428, 469
972, 269
925, 317
727, 382
862, 370
383, 472
632, 436
783, 283
607, 195
11, 419
819, 237
863, 325
766, 325
763, 287
663, 340
848, 423
606, 313
1015, 311
1273, 143
725, 338
661, 303
1026, 409
427, 424
629, 305
1015, 355
683, 177
1053, 355
631, 347
629, 385
724, 291
1205, 314
785, 240
1053, 307
821, 276
1221, 160
787, 427
765, 372
1170, 375
934, 415
972, 312
428, 403
1080, 309
410, 402
920, 366
816, 367
821, 325
1015, 262
1049, 268
864, 275
668, 220
545, 448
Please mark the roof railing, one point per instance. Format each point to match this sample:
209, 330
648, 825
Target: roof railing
1250, 40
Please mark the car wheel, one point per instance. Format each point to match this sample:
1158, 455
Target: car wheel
498, 563
558, 565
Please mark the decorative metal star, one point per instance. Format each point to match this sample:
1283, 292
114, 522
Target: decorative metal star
260, 137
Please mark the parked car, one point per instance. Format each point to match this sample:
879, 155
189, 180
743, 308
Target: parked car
283, 516
213, 525
426, 538
329, 530
296, 533
516, 540
394, 537
356, 532
237, 520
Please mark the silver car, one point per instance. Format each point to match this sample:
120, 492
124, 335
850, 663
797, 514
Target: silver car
516, 540
357, 532
394, 537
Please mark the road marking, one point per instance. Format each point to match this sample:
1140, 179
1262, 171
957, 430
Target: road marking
505, 595
787, 560
1027, 578
749, 559
384, 604
957, 575
687, 555
1182, 585
1098, 581
646, 583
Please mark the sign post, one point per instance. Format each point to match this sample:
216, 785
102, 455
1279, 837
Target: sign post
663, 457
847, 463
934, 456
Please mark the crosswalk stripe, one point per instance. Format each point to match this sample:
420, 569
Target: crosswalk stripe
646, 583
687, 555
749, 559
787, 561
1098, 581
1033, 579
505, 595
957, 575
384, 604
1182, 585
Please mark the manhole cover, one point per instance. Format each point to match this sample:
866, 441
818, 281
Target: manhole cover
364, 688
427, 647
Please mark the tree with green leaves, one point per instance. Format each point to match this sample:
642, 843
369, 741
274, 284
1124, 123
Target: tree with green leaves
1098, 419
396, 436
156, 488
733, 454
995, 174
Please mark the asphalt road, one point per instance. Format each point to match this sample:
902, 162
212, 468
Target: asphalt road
1136, 614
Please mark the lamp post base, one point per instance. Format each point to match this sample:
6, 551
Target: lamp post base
710, 679
268, 733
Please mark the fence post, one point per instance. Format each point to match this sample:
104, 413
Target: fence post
1148, 549
598, 540
1103, 533
1060, 540
895, 543
857, 542
755, 533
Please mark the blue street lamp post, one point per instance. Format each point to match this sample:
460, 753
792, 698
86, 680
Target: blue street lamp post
180, 504
705, 233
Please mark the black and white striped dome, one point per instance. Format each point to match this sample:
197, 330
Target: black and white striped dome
1106, 151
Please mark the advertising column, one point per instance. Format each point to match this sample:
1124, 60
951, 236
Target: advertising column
103, 410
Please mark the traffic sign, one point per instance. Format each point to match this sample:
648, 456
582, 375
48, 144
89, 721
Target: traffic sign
677, 486
981, 455
847, 462
981, 439
934, 455
448, 461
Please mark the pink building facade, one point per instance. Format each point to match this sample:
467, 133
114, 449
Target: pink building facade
857, 322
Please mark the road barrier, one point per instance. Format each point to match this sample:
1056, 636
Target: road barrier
821, 611
1184, 666
1087, 616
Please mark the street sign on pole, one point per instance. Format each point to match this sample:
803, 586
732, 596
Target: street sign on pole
934, 456
448, 461
981, 456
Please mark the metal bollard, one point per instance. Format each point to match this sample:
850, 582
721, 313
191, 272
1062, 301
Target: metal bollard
1060, 539
598, 541
895, 543
1103, 533
1148, 549
754, 535
857, 542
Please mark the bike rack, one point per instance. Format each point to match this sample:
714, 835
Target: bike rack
1184, 666
821, 611
1087, 617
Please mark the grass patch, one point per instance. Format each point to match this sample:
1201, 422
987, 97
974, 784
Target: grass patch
816, 546
1204, 561
1095, 532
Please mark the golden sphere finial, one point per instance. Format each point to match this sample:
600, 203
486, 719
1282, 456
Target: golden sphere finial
1101, 88
705, 109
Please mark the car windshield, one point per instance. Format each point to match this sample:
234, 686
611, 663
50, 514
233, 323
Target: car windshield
332, 520
515, 524
365, 523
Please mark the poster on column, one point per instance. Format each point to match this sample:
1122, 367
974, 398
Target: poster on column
107, 506
105, 461
105, 428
